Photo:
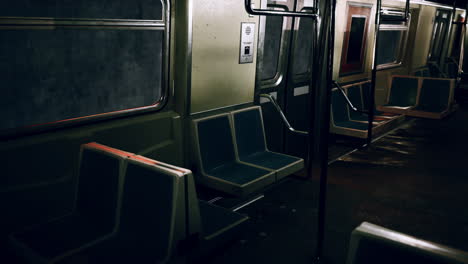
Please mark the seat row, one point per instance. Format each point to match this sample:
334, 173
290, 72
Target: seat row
128, 208
232, 154
420, 96
346, 121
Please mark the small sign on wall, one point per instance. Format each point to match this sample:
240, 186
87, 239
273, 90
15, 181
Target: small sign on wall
247, 39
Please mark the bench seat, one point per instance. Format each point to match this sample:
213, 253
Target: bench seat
218, 163
239, 173
251, 146
94, 217
435, 98
402, 94
160, 215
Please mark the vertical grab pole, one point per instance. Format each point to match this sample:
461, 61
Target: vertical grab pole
374, 73
462, 42
462, 45
313, 84
324, 136
407, 10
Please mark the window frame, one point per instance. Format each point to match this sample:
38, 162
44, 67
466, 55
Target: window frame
301, 76
347, 69
19, 23
279, 72
435, 25
457, 33
404, 28
278, 78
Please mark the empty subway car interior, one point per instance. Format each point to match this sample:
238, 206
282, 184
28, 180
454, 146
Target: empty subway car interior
234, 131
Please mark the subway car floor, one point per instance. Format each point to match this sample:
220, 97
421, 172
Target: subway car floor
414, 180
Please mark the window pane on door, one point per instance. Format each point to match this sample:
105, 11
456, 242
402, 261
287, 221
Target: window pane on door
356, 39
271, 49
389, 46
303, 47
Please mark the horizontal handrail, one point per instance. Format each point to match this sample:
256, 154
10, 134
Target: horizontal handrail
283, 117
397, 16
348, 101
268, 12
405, 15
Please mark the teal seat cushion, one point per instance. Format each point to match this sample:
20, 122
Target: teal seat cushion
62, 235
94, 215
215, 141
354, 95
452, 70
403, 92
434, 95
237, 173
269, 160
147, 213
98, 187
250, 137
359, 117
339, 107
352, 125
366, 97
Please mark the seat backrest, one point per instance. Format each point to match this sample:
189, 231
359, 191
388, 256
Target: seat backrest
403, 91
214, 141
100, 180
148, 211
248, 130
366, 86
355, 96
418, 73
426, 72
340, 110
451, 69
435, 93
422, 72
374, 244
187, 203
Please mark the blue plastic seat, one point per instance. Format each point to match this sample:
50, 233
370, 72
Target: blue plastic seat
95, 214
349, 123
340, 113
252, 148
435, 98
366, 94
355, 94
218, 163
194, 218
159, 211
403, 92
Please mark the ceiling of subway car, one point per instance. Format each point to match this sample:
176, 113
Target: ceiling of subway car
459, 3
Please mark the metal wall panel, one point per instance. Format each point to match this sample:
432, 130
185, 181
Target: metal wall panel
218, 80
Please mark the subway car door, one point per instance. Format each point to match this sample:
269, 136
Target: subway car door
283, 70
299, 77
272, 69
